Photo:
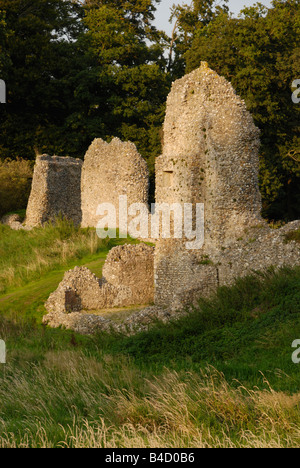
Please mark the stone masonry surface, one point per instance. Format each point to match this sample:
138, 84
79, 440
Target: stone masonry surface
210, 156
55, 190
110, 170
127, 280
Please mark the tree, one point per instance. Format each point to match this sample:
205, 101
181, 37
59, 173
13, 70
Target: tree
40, 54
4, 35
259, 53
188, 19
79, 70
129, 53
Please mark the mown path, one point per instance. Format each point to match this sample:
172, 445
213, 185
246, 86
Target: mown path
28, 301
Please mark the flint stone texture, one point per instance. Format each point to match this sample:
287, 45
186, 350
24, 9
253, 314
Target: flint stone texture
15, 222
55, 190
210, 156
80, 290
260, 248
110, 170
128, 280
88, 324
132, 267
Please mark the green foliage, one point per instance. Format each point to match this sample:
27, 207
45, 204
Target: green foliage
78, 71
259, 54
4, 35
188, 19
131, 72
15, 184
27, 255
215, 376
42, 62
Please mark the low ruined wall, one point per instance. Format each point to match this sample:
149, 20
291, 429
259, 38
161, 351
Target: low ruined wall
81, 290
182, 277
55, 190
259, 248
128, 280
131, 266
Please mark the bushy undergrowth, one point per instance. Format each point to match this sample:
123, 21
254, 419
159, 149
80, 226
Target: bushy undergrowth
15, 184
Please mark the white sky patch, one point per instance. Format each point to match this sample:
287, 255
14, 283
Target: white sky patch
164, 10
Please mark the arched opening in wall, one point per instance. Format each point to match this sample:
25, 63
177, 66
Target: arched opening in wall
168, 178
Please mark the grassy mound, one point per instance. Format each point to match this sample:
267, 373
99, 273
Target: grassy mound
221, 377
29, 255
244, 330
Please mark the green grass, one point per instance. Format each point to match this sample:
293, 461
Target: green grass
21, 213
245, 330
27, 256
222, 376
33, 263
27, 302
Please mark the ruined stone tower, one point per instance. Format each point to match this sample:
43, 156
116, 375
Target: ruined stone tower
55, 190
110, 170
210, 156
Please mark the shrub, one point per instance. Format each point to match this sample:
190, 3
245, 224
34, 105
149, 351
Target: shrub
293, 236
15, 184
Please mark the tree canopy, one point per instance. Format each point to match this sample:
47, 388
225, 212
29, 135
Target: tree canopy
76, 70
259, 53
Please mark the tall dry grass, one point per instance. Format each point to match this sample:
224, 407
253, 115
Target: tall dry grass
71, 400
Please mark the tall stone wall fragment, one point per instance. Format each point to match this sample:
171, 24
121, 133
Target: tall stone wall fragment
55, 190
110, 170
210, 156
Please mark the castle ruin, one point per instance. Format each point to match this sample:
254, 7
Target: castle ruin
109, 171
55, 190
128, 279
74, 188
210, 156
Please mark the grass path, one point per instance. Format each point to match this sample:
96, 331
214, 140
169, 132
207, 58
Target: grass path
221, 377
27, 301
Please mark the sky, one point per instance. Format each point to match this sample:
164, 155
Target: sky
163, 10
